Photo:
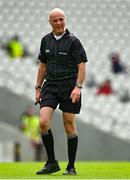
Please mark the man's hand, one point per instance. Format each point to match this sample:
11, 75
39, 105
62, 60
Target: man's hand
38, 95
75, 94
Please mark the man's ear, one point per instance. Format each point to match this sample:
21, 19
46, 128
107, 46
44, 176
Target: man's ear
49, 21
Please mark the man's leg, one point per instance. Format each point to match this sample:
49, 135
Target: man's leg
47, 137
70, 128
48, 141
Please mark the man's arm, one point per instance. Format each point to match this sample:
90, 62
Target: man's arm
41, 74
75, 95
40, 78
81, 74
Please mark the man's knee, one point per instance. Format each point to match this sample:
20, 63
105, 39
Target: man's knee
69, 123
45, 118
70, 127
44, 123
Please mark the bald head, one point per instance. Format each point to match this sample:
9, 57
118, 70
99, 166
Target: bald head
55, 12
57, 21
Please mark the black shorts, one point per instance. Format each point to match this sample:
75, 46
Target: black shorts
55, 93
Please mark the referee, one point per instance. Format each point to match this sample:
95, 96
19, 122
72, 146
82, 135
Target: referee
60, 76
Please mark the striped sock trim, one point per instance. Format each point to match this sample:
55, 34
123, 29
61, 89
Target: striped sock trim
44, 133
71, 136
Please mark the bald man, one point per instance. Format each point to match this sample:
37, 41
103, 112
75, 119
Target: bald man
60, 76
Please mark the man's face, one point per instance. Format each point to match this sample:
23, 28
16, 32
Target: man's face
57, 21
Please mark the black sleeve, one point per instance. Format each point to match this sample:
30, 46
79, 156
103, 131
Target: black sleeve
42, 55
78, 51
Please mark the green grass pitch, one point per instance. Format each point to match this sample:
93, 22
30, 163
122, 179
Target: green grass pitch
85, 170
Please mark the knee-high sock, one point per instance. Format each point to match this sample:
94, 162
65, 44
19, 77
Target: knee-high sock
48, 142
72, 150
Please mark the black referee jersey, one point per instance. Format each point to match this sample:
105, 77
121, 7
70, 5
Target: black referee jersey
61, 56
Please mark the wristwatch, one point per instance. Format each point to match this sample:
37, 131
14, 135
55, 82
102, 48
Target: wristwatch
37, 87
79, 85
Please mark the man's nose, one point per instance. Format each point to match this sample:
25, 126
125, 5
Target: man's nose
58, 22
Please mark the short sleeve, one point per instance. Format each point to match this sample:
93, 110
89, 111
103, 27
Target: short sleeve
78, 52
42, 55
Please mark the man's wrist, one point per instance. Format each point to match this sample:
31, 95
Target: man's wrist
37, 87
79, 85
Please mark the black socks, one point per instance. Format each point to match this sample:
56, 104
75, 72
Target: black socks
48, 142
72, 149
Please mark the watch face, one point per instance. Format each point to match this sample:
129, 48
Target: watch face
37, 87
79, 85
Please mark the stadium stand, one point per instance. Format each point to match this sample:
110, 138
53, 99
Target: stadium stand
102, 26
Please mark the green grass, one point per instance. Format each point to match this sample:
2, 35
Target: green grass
85, 170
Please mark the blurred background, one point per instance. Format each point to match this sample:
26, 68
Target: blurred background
103, 26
